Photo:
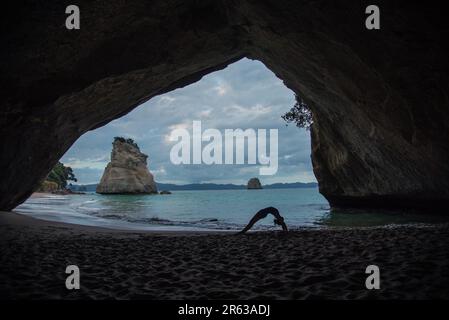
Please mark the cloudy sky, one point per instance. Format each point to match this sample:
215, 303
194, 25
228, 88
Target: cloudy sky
244, 95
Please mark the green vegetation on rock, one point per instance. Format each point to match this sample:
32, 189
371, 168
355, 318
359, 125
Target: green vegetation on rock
128, 141
300, 114
57, 178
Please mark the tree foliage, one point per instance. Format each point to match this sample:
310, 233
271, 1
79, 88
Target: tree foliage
60, 174
300, 114
129, 141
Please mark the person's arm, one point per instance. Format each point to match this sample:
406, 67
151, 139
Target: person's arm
284, 226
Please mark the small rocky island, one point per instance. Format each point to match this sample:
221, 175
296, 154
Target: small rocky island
254, 183
127, 173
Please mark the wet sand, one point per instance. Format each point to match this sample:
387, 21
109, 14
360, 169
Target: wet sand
41, 195
309, 264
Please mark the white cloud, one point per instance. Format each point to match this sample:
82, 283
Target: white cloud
205, 114
222, 88
243, 112
166, 99
169, 138
243, 95
157, 173
88, 163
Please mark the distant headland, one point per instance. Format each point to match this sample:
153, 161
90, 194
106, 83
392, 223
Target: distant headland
205, 186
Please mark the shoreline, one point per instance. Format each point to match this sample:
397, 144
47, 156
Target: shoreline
15, 219
18, 219
104, 224
108, 224
306, 264
36, 195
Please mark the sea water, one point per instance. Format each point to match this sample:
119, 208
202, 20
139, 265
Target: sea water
207, 210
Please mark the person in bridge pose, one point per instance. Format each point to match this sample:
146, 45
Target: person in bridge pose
261, 214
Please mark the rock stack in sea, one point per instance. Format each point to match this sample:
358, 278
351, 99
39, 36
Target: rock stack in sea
127, 172
254, 183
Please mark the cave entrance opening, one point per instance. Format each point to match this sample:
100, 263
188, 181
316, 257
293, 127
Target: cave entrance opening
244, 96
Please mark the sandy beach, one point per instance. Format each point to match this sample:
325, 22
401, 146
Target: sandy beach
41, 195
309, 264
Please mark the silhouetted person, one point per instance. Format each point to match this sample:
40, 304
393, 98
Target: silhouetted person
261, 214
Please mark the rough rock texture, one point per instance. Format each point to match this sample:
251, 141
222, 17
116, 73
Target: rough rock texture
254, 183
380, 98
127, 172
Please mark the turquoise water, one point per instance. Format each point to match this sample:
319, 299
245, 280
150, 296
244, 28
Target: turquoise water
206, 210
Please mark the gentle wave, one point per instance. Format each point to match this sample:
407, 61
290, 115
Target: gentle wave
212, 210
186, 209
207, 223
